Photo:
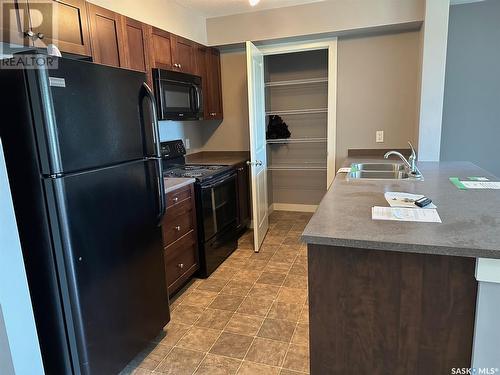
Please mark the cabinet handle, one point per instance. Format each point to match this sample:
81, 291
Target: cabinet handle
180, 265
178, 228
175, 199
240, 169
180, 65
213, 114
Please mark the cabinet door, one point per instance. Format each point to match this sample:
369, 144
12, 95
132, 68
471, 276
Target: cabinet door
14, 22
183, 51
243, 194
214, 85
61, 22
106, 36
161, 50
136, 45
201, 70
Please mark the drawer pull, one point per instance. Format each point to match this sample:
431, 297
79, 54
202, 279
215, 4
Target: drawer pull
175, 199
178, 228
180, 265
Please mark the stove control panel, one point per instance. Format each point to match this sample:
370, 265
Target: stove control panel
172, 149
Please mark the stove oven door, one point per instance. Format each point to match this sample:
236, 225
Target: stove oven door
218, 205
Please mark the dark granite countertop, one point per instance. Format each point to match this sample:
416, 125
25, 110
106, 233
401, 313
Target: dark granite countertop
471, 218
218, 157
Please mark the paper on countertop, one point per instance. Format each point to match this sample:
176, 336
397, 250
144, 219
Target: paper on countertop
481, 184
478, 178
344, 170
422, 215
397, 199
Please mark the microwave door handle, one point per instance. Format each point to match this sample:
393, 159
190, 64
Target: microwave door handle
192, 93
198, 98
156, 137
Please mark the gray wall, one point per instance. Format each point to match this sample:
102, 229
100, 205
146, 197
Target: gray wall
487, 330
378, 81
17, 325
471, 116
6, 365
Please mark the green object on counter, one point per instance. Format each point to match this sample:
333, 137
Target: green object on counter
455, 181
354, 169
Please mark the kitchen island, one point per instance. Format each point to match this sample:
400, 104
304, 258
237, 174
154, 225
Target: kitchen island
392, 297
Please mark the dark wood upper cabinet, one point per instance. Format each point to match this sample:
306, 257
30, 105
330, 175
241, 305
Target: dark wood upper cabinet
60, 22
69, 29
106, 32
183, 54
161, 51
14, 22
136, 44
214, 84
201, 70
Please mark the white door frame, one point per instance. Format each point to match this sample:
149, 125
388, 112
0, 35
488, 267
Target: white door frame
329, 44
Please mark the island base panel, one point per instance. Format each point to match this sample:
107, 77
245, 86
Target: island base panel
380, 312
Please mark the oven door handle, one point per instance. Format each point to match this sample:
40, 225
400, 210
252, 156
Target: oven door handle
219, 182
156, 138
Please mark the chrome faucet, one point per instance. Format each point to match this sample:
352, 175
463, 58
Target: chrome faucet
410, 163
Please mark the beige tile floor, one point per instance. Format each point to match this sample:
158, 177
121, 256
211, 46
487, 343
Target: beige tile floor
249, 317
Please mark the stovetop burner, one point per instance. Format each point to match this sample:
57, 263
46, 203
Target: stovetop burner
200, 172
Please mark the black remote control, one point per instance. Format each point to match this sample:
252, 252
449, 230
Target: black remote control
422, 202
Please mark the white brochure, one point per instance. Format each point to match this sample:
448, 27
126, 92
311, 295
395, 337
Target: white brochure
422, 215
481, 184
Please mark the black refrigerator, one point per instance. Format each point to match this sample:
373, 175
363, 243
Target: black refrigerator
81, 143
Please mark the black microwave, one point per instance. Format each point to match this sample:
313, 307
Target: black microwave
178, 95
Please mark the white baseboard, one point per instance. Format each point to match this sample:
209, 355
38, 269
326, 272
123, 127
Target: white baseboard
293, 207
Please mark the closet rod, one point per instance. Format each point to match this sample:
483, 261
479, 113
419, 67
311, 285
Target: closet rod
298, 111
296, 140
297, 82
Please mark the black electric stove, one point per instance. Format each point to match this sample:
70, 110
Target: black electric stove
200, 172
216, 204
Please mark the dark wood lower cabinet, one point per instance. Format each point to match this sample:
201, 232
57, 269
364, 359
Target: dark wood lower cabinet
378, 312
243, 196
180, 238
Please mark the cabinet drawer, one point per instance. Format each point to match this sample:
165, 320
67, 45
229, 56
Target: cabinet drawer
178, 221
181, 260
178, 195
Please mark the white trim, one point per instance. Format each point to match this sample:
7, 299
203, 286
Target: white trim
329, 44
293, 207
488, 270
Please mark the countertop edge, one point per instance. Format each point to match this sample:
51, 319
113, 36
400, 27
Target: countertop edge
187, 181
399, 247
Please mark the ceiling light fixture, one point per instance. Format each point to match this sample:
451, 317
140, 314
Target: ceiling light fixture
253, 2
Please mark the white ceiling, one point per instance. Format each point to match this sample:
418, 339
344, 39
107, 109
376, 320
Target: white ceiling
215, 8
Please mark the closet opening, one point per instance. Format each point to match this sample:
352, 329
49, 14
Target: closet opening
296, 108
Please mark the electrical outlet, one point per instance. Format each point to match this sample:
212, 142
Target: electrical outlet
188, 144
379, 136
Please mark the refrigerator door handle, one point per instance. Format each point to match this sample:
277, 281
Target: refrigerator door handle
156, 137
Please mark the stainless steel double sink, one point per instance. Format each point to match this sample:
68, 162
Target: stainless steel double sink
380, 171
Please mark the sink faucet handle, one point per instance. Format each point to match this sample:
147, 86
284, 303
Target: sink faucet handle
413, 153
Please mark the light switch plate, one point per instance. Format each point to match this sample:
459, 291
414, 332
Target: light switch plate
188, 144
379, 136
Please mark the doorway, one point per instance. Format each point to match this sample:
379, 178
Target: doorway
293, 83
